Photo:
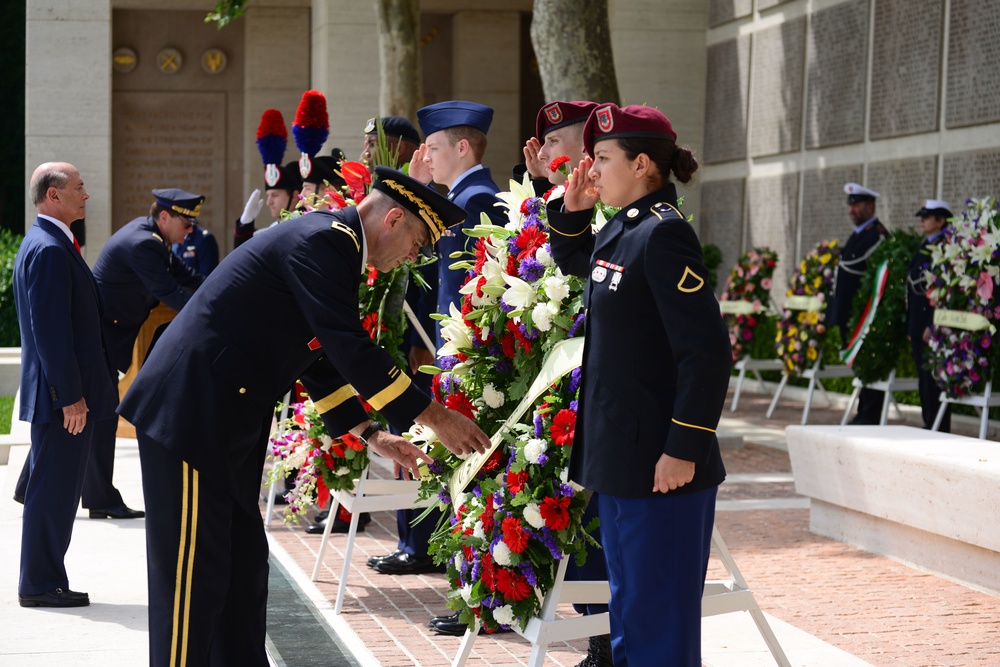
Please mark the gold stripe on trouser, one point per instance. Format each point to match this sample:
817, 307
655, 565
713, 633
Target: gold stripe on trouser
185, 565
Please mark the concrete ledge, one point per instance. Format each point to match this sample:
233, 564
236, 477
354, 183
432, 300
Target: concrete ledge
8, 441
927, 498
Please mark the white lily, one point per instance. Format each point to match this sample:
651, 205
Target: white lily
520, 294
515, 197
455, 333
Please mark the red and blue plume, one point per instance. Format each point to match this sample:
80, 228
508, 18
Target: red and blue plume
312, 124
272, 137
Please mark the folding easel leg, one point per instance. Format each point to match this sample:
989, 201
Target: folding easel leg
777, 394
739, 388
352, 532
465, 649
537, 657
885, 407
809, 399
270, 505
334, 505
850, 405
772, 642
940, 414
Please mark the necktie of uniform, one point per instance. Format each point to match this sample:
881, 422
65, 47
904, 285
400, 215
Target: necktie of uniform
76, 244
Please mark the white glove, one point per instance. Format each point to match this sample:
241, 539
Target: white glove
252, 209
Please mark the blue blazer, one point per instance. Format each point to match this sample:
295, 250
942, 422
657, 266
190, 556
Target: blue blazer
59, 312
476, 194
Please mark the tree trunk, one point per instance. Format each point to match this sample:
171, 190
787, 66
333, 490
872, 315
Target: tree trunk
572, 43
400, 89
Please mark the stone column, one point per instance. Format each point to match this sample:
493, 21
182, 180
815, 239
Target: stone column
345, 68
661, 60
68, 101
486, 69
277, 72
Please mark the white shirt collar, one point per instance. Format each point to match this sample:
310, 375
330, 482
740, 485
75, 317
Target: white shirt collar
364, 246
464, 174
60, 224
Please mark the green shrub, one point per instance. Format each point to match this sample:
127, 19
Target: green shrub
10, 335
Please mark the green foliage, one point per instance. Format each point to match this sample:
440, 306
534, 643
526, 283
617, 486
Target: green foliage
884, 346
226, 11
713, 260
6, 412
10, 333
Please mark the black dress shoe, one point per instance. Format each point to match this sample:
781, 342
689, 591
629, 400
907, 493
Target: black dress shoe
376, 559
120, 512
57, 597
403, 563
18, 499
450, 625
339, 525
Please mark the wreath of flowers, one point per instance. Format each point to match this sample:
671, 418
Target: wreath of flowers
518, 517
750, 281
963, 276
884, 348
301, 445
801, 333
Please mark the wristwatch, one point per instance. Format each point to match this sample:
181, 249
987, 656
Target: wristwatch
371, 430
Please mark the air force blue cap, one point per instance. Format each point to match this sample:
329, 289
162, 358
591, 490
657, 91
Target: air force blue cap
443, 115
179, 201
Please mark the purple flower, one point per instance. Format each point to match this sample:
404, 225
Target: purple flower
504, 365
444, 497
531, 334
574, 381
528, 573
512, 246
531, 269
436, 467
504, 306
576, 326
496, 350
574, 406
543, 458
539, 429
534, 207
447, 363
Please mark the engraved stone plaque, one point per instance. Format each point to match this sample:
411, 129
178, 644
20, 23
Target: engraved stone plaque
773, 201
726, 103
973, 54
722, 221
903, 184
776, 111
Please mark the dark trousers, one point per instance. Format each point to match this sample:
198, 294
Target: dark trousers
414, 538
657, 551
206, 560
869, 400
930, 393
56, 465
98, 490
594, 568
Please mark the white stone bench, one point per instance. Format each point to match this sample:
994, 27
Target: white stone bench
926, 498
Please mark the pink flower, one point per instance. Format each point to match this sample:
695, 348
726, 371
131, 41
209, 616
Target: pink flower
766, 283
984, 286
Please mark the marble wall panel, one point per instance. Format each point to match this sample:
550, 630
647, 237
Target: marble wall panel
726, 104
776, 109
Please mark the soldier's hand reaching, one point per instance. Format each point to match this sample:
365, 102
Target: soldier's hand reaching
457, 433
399, 449
418, 168
536, 166
252, 208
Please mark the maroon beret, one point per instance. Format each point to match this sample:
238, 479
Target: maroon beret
608, 121
558, 114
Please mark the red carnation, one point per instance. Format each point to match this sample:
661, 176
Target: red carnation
481, 254
511, 265
516, 481
492, 463
487, 516
558, 162
512, 584
507, 343
564, 427
436, 388
556, 512
459, 402
514, 535
522, 340
548, 193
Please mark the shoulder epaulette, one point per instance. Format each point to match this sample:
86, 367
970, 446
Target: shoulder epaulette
157, 237
204, 232
662, 210
341, 227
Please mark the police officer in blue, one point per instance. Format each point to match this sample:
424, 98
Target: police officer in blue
66, 381
868, 233
199, 250
655, 373
135, 271
223, 366
934, 215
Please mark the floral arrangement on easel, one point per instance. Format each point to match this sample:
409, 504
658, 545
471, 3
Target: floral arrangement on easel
962, 286
746, 299
801, 331
518, 517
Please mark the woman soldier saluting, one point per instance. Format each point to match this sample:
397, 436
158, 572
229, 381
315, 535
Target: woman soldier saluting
656, 368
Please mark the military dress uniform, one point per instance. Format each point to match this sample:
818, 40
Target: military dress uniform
223, 363
852, 265
656, 366
199, 251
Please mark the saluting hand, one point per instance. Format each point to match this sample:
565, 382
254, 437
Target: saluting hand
75, 416
418, 168
399, 449
581, 195
672, 473
457, 433
536, 166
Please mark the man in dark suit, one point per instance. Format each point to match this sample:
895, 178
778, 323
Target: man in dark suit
66, 381
285, 307
868, 233
934, 215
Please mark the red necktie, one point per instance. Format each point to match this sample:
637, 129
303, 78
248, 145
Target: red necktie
76, 244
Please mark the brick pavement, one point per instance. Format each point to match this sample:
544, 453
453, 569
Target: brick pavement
883, 611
